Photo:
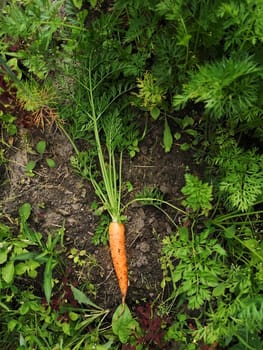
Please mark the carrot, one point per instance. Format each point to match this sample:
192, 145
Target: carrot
118, 255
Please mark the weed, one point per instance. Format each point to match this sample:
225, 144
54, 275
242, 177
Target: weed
204, 267
198, 195
8, 123
31, 321
40, 149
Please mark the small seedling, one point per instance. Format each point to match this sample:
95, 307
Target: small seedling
78, 256
40, 149
129, 186
30, 166
187, 128
8, 123
167, 137
51, 163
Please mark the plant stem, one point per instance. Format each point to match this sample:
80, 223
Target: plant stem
243, 244
68, 137
112, 198
158, 200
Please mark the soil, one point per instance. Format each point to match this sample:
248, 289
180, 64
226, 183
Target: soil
59, 196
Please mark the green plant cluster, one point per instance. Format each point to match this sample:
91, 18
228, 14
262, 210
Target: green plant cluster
31, 318
195, 67
214, 265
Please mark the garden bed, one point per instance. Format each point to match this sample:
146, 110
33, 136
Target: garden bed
59, 196
147, 113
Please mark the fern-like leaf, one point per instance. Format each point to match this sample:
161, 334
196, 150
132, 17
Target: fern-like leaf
227, 88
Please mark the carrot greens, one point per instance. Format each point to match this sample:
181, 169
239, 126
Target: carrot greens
110, 192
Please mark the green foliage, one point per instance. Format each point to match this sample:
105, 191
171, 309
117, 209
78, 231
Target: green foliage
242, 23
150, 94
24, 254
178, 332
214, 267
198, 195
34, 22
149, 195
124, 325
34, 325
199, 268
41, 147
167, 58
31, 164
109, 169
38, 34
111, 96
242, 183
34, 96
8, 123
228, 322
188, 128
27, 322
239, 172
229, 88
167, 137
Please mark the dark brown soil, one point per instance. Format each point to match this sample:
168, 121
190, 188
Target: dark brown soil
60, 197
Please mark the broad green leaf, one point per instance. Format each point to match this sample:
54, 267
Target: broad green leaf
123, 324
191, 132
177, 136
167, 137
187, 121
25, 256
3, 255
93, 3
25, 211
32, 273
8, 272
41, 147
4, 231
155, 112
184, 146
24, 308
81, 298
30, 166
51, 163
77, 3
12, 325
11, 129
73, 316
21, 268
66, 328
22, 342
35, 306
48, 279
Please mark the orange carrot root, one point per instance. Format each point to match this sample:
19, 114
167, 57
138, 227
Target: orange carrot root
118, 255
